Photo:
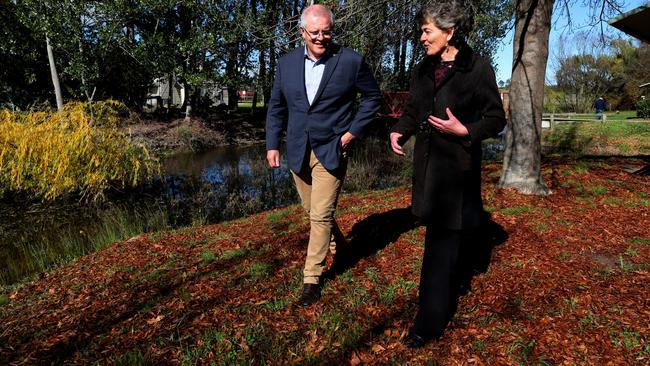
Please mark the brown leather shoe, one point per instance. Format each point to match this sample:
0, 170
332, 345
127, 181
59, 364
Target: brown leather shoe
310, 294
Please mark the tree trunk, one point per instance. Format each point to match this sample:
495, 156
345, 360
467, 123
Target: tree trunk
188, 102
396, 57
523, 145
268, 85
55, 75
170, 93
404, 39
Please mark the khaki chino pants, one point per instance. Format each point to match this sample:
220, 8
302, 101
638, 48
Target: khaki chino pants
319, 190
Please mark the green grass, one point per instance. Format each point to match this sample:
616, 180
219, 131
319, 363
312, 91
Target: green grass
644, 241
49, 251
208, 256
611, 116
588, 321
133, 358
277, 216
632, 341
233, 253
599, 190
277, 304
246, 106
213, 341
258, 270
613, 201
587, 199
514, 211
612, 137
522, 349
4, 300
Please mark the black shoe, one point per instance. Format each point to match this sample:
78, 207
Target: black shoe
413, 340
310, 294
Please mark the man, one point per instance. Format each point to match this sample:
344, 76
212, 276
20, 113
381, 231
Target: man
313, 95
600, 104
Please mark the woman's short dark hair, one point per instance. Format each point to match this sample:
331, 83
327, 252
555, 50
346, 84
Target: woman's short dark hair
447, 14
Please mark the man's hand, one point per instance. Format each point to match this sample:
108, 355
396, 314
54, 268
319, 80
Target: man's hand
346, 139
451, 126
273, 157
394, 143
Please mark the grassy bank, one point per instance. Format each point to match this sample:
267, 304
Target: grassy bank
599, 138
567, 285
60, 240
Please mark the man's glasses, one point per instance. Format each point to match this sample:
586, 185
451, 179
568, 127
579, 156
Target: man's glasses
315, 34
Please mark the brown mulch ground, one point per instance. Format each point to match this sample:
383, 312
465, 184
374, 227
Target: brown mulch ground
569, 285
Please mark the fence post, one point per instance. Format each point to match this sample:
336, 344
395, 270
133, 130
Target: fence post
552, 121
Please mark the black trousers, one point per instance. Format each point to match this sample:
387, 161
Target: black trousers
439, 280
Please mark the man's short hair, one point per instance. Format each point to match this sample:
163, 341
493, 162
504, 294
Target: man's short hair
318, 10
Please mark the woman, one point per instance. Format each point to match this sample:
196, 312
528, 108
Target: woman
454, 104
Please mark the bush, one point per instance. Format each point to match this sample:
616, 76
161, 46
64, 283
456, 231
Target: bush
643, 108
49, 154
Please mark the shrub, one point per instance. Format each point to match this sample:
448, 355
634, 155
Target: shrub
49, 154
643, 108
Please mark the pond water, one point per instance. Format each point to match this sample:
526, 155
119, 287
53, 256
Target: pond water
196, 189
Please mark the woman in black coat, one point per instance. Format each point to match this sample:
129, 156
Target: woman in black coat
454, 104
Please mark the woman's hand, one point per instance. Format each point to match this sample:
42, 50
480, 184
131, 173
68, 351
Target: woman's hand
394, 143
451, 126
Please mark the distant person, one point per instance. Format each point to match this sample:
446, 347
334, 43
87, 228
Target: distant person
600, 105
313, 97
454, 104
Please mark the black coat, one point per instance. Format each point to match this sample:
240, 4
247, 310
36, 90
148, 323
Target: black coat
447, 169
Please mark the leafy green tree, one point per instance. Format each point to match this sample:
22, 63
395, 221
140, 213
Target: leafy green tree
24, 76
629, 70
583, 78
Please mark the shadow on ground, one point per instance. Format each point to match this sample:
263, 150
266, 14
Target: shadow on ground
369, 236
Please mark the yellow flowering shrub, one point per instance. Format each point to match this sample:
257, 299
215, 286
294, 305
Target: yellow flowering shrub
49, 154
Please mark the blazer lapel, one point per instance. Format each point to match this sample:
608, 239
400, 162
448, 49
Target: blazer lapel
330, 65
300, 61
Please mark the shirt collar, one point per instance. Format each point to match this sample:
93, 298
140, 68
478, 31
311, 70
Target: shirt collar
327, 55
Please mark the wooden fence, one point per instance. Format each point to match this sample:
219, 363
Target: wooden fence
549, 120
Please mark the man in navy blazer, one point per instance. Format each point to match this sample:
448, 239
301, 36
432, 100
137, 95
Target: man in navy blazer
313, 96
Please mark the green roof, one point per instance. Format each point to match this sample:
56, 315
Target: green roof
634, 22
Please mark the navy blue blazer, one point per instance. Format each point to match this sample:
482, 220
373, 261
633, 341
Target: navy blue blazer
331, 114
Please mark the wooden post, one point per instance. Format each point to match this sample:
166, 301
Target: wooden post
552, 121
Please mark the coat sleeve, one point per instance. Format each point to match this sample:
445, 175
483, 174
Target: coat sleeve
370, 97
276, 115
408, 123
493, 117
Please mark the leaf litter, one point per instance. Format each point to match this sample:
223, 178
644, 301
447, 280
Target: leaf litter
569, 285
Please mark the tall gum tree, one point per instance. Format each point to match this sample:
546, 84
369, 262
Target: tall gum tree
522, 158
523, 146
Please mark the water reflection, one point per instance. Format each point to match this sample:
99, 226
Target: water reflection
195, 189
223, 184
